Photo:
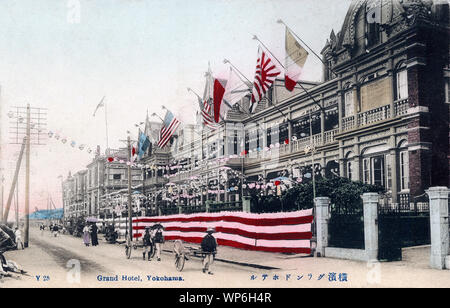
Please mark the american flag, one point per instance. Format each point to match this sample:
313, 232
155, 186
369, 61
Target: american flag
169, 127
208, 120
266, 72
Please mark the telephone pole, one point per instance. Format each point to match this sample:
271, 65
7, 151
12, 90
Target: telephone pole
130, 211
32, 133
27, 179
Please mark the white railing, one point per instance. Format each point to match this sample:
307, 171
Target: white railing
374, 115
401, 107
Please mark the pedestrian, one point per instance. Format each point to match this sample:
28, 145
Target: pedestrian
209, 248
86, 235
158, 237
147, 242
94, 231
55, 230
18, 235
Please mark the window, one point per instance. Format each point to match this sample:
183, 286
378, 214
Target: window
374, 170
366, 171
350, 170
349, 106
402, 85
404, 170
389, 171
378, 170
117, 176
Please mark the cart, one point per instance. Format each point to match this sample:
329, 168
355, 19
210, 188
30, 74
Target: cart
183, 253
134, 244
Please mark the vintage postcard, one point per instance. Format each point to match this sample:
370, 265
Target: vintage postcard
224, 144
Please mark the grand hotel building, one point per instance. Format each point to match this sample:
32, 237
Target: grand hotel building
380, 116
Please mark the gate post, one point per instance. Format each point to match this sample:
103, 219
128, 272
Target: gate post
322, 216
370, 206
438, 226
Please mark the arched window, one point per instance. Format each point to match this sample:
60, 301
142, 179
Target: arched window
350, 170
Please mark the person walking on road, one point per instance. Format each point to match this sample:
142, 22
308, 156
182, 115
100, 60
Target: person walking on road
94, 231
55, 230
18, 235
209, 247
147, 241
158, 238
86, 236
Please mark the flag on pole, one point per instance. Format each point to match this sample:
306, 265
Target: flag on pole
101, 104
266, 72
208, 121
219, 91
296, 57
205, 104
170, 125
235, 90
144, 143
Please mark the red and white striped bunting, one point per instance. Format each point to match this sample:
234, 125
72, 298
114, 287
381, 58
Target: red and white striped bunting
275, 232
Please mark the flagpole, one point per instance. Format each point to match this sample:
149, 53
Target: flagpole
106, 123
298, 82
280, 21
270, 101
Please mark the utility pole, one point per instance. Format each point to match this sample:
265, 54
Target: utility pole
35, 121
27, 180
14, 183
130, 211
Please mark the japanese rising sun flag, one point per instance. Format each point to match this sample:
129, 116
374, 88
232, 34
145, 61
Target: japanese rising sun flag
296, 57
266, 72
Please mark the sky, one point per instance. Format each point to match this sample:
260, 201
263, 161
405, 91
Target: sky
65, 55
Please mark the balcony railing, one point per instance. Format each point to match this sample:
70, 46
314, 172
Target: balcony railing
375, 115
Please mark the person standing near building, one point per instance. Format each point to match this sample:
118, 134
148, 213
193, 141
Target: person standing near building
209, 248
158, 237
18, 235
94, 237
147, 242
86, 235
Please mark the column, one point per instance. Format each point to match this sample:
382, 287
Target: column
322, 216
439, 226
370, 206
246, 204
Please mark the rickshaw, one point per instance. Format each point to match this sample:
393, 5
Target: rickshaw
131, 244
183, 253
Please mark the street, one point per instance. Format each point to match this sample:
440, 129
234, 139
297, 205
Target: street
54, 262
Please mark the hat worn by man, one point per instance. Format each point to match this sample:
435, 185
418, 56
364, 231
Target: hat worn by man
210, 229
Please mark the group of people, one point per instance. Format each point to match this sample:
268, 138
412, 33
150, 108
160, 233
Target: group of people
155, 239
154, 236
54, 229
90, 234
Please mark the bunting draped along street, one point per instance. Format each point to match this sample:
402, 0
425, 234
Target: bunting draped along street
203, 145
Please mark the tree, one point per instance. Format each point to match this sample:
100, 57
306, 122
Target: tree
343, 193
